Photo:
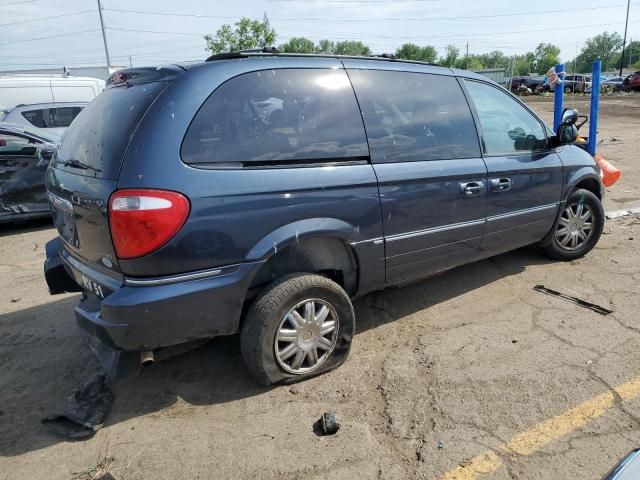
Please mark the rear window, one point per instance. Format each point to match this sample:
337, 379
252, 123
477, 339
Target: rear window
51, 117
278, 117
414, 116
100, 135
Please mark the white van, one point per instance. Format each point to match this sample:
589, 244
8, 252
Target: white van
26, 89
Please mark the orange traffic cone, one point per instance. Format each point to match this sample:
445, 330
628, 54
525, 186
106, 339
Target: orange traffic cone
608, 172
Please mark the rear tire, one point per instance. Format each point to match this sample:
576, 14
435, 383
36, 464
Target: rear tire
300, 326
578, 228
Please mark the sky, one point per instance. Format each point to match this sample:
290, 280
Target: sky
57, 33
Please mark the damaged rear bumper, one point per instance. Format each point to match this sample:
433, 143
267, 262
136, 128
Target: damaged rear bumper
152, 313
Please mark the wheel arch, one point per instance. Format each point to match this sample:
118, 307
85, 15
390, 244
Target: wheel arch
586, 178
320, 245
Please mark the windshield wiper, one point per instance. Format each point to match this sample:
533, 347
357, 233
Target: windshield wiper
80, 165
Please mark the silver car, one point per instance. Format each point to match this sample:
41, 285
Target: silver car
52, 117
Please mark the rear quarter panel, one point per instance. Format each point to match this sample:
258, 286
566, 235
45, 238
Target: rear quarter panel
236, 211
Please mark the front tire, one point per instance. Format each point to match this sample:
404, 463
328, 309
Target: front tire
578, 228
300, 326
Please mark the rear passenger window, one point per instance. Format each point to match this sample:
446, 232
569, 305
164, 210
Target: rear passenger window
414, 116
278, 116
51, 117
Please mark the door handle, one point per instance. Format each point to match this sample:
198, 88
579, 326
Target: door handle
471, 188
500, 184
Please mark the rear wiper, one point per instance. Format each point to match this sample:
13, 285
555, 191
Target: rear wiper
80, 165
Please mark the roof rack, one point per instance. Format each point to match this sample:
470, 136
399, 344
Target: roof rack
242, 53
267, 51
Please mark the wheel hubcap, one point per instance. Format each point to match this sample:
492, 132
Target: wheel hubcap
575, 226
306, 336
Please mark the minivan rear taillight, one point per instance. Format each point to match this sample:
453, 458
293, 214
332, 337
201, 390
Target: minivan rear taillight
142, 220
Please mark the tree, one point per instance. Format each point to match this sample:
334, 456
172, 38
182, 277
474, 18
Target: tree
326, 47
631, 55
298, 45
545, 56
523, 64
350, 47
451, 56
246, 34
494, 59
411, 51
605, 46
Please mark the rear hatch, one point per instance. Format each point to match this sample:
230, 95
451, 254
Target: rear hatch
84, 171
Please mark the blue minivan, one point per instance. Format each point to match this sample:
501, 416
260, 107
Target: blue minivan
260, 193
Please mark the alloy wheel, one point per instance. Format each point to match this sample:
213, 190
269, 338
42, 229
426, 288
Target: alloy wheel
575, 226
306, 336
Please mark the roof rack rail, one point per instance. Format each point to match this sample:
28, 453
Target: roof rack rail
274, 51
242, 53
388, 56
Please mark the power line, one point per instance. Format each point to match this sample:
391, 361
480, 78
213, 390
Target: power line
296, 19
155, 31
45, 18
364, 36
50, 36
18, 3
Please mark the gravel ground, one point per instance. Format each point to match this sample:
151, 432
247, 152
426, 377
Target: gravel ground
469, 364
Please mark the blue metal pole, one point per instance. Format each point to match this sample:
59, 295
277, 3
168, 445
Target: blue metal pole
558, 98
595, 106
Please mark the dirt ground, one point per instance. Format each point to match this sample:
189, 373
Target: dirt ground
470, 374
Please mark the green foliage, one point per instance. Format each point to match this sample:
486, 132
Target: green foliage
298, 45
246, 34
249, 33
350, 47
605, 46
326, 46
631, 55
411, 51
545, 56
451, 56
523, 64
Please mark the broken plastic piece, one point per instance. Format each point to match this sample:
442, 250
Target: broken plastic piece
327, 424
86, 412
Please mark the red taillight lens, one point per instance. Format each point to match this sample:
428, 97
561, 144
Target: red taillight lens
142, 220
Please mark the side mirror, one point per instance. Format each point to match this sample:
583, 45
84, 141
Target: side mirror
47, 151
569, 116
567, 133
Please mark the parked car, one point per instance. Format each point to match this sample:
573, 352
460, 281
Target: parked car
265, 202
633, 81
576, 83
54, 117
627, 469
534, 83
24, 157
28, 89
615, 83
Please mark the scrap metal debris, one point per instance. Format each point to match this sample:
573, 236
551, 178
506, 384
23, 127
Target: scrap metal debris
86, 411
327, 424
577, 301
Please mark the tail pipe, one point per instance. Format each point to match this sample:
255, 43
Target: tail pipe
147, 358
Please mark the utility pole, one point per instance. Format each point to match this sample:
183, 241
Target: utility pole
624, 42
104, 36
467, 57
130, 62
